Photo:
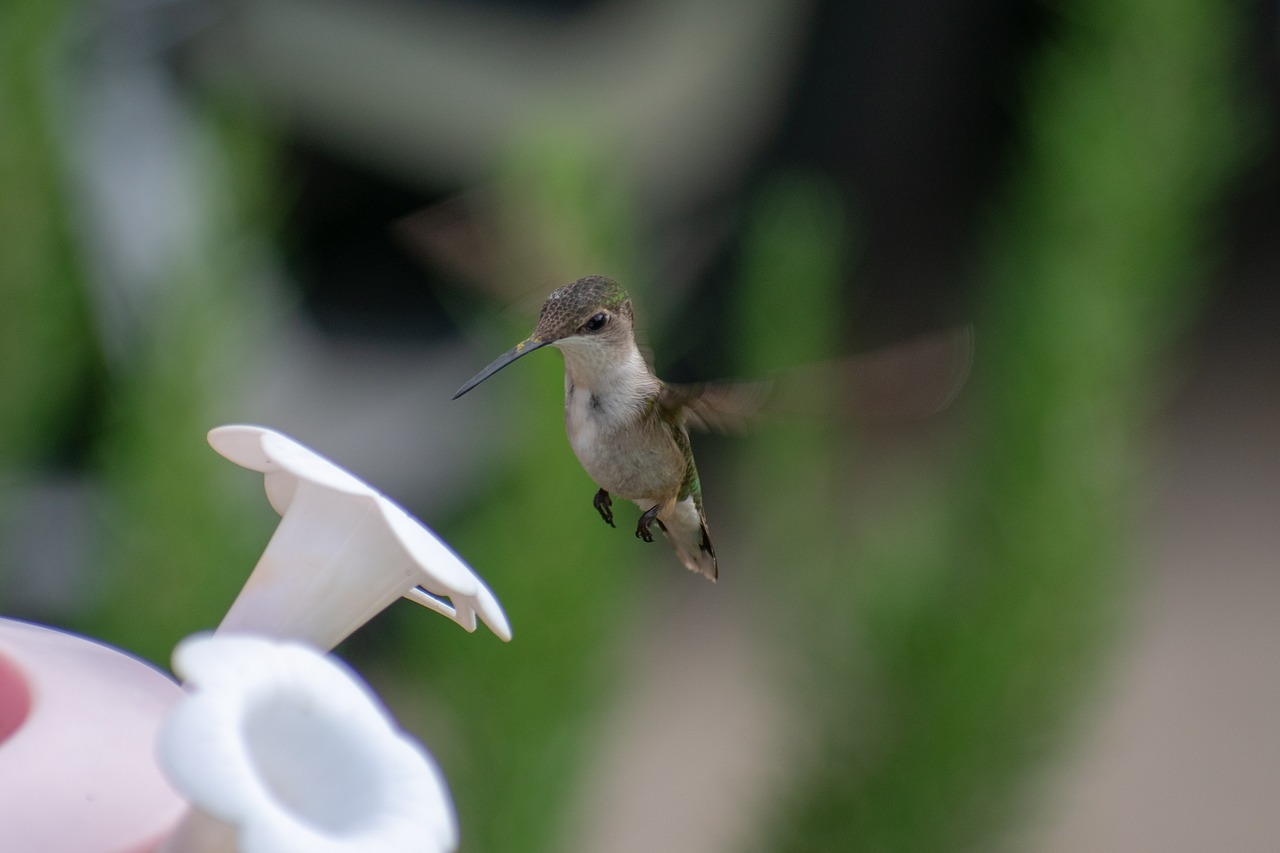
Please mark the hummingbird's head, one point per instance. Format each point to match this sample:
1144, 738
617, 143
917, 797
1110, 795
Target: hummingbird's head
592, 313
591, 307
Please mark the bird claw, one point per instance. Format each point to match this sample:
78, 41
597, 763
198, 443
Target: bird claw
642, 527
604, 505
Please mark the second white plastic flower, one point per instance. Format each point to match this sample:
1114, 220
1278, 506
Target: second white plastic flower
282, 749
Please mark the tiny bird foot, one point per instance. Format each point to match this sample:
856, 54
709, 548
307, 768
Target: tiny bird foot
642, 528
604, 506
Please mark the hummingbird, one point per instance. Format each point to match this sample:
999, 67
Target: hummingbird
628, 428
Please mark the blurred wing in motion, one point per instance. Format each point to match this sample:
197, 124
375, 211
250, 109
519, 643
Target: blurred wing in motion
907, 381
715, 406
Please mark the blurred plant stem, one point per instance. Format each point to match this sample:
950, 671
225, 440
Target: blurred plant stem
171, 550
48, 356
510, 722
954, 636
179, 542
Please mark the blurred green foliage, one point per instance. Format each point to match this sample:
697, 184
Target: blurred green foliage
178, 533
48, 355
171, 547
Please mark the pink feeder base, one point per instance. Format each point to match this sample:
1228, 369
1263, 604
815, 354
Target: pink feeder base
78, 724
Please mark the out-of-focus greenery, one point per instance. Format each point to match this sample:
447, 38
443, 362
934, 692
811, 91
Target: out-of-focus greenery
947, 646
171, 547
47, 354
176, 535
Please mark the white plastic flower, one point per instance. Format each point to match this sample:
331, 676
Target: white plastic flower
342, 553
282, 749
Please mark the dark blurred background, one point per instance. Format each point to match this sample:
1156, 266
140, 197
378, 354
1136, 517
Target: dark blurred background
1037, 617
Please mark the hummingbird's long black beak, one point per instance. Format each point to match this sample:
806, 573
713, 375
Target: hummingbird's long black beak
522, 348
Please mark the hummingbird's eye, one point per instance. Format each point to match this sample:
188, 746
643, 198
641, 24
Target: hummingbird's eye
596, 323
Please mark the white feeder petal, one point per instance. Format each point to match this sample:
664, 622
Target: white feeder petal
265, 450
441, 567
491, 612
445, 574
305, 464
280, 487
289, 747
242, 444
342, 553
331, 566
